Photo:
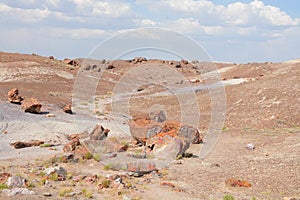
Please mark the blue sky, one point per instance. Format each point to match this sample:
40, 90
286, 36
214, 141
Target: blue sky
231, 31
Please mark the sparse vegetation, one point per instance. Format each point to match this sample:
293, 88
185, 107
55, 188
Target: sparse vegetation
53, 177
87, 156
228, 197
106, 167
46, 145
3, 186
64, 191
97, 156
88, 194
106, 183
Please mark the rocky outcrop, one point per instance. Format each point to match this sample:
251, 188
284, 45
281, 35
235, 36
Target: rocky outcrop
141, 167
110, 66
143, 128
60, 173
158, 116
71, 146
191, 134
166, 147
31, 105
71, 62
99, 133
13, 96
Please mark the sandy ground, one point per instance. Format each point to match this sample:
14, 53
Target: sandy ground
262, 107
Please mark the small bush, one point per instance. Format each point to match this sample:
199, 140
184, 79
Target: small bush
53, 177
3, 186
87, 194
106, 183
228, 197
64, 191
46, 145
87, 156
106, 167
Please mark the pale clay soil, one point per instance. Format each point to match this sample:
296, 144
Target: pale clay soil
262, 109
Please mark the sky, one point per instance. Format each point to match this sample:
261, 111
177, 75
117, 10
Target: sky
227, 30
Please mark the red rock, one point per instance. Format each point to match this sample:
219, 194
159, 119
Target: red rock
99, 133
82, 152
91, 179
71, 146
167, 184
77, 178
235, 182
71, 62
84, 134
159, 116
13, 96
19, 144
31, 105
141, 167
166, 147
4, 176
143, 128
68, 109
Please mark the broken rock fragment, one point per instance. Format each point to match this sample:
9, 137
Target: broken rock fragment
68, 109
71, 146
19, 144
190, 133
13, 96
31, 105
99, 133
235, 182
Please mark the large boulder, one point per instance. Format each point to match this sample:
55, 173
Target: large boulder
106, 146
139, 60
31, 105
16, 181
159, 116
71, 146
143, 128
166, 147
13, 96
190, 133
140, 167
99, 133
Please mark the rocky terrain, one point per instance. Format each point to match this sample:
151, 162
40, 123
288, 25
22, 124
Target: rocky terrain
128, 129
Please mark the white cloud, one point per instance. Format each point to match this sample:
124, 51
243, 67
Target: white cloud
238, 13
189, 5
30, 15
81, 33
247, 31
273, 14
112, 9
54, 3
191, 25
144, 22
26, 15
257, 13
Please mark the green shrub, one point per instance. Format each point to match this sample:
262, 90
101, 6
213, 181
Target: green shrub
3, 186
228, 197
64, 191
106, 183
